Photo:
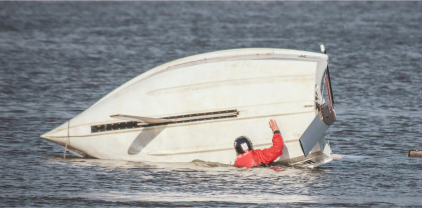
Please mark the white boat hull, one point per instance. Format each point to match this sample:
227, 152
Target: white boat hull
256, 84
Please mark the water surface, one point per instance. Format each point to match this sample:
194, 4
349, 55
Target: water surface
58, 58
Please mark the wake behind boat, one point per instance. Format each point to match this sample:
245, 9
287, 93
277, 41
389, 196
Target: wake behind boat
193, 109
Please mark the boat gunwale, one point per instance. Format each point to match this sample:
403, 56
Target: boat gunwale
178, 124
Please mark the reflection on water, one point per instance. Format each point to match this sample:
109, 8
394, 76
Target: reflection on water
206, 177
58, 58
202, 182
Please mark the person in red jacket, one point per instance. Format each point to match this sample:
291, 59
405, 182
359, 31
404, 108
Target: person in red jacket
248, 157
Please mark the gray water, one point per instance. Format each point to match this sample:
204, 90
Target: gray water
58, 58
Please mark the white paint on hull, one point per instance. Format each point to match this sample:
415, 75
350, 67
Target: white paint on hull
261, 84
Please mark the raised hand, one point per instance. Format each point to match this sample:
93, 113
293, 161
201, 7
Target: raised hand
273, 125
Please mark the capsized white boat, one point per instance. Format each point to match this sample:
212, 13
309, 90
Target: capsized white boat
195, 107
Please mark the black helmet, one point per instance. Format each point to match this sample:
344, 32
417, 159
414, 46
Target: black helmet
242, 144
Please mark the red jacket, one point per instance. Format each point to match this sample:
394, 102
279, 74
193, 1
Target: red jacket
265, 156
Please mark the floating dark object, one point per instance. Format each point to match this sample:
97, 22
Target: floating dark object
415, 153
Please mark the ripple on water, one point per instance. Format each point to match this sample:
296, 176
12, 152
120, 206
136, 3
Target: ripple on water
58, 58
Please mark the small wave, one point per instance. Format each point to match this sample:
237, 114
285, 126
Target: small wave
348, 157
209, 164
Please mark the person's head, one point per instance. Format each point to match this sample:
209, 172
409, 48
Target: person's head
242, 145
